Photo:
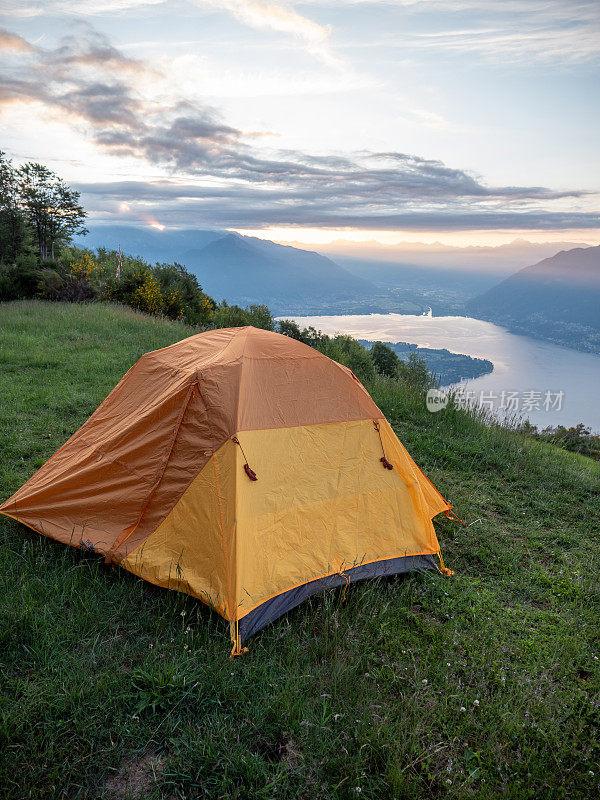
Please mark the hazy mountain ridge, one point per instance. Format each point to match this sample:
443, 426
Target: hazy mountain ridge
501, 259
443, 277
294, 280
248, 270
557, 299
149, 243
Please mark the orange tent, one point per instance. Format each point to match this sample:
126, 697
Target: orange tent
244, 468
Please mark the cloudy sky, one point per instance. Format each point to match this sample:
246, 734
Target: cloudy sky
464, 121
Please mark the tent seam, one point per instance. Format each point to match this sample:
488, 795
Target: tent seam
228, 565
160, 474
311, 424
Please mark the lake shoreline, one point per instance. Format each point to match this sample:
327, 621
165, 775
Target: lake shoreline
448, 368
525, 369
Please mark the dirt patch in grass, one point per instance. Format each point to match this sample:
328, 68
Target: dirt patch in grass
135, 776
283, 749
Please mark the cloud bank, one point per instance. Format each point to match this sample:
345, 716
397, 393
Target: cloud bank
518, 31
215, 174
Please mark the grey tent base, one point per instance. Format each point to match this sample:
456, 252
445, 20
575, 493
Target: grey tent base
277, 606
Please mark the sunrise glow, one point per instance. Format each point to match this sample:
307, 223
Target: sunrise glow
322, 236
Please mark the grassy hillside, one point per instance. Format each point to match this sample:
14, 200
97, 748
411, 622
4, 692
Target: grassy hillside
482, 685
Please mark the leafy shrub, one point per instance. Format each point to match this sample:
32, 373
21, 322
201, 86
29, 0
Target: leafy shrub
386, 361
183, 297
68, 288
19, 279
165, 289
50, 284
84, 267
414, 373
148, 296
577, 439
73, 283
352, 354
226, 316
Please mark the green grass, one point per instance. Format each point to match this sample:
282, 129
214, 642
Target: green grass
482, 685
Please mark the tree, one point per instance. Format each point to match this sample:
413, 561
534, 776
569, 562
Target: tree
260, 317
386, 361
226, 316
184, 297
50, 206
66, 215
34, 192
414, 372
310, 336
290, 328
347, 351
15, 237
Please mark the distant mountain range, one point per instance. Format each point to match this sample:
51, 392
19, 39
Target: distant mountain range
149, 243
557, 299
500, 260
249, 270
244, 269
440, 276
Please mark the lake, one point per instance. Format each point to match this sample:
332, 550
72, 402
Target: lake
548, 384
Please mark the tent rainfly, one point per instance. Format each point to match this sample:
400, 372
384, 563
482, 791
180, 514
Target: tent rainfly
244, 468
